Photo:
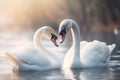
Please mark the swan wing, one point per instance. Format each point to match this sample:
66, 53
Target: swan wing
95, 54
33, 57
83, 44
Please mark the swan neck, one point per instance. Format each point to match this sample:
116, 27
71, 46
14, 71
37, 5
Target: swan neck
38, 45
37, 42
76, 36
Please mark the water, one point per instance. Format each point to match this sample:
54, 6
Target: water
110, 73
74, 74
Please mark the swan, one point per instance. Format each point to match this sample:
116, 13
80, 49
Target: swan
36, 58
91, 54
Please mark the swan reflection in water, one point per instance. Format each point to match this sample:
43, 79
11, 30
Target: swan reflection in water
70, 74
88, 74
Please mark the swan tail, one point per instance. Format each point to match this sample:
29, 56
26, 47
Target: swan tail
11, 59
111, 47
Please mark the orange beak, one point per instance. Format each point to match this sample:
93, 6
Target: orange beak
54, 42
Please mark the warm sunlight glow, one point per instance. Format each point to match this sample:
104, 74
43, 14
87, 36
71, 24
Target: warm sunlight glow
24, 13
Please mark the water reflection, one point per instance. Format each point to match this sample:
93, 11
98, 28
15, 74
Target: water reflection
68, 74
91, 74
85, 74
94, 74
42, 75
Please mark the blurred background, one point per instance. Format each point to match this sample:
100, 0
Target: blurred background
98, 19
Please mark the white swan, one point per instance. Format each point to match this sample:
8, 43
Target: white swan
92, 54
36, 58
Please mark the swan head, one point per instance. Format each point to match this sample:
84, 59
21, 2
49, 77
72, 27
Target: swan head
46, 32
51, 34
64, 27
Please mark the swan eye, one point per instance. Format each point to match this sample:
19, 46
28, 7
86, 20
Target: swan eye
53, 36
62, 31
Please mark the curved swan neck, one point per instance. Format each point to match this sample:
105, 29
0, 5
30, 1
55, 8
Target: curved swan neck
37, 41
38, 45
76, 36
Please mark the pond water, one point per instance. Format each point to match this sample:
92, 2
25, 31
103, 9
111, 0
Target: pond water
73, 74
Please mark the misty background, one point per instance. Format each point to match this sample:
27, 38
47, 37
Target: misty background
98, 19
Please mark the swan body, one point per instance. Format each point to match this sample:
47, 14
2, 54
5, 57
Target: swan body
36, 58
89, 54
96, 54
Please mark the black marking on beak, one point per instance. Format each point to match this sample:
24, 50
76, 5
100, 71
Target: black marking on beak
62, 34
53, 36
62, 31
53, 39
